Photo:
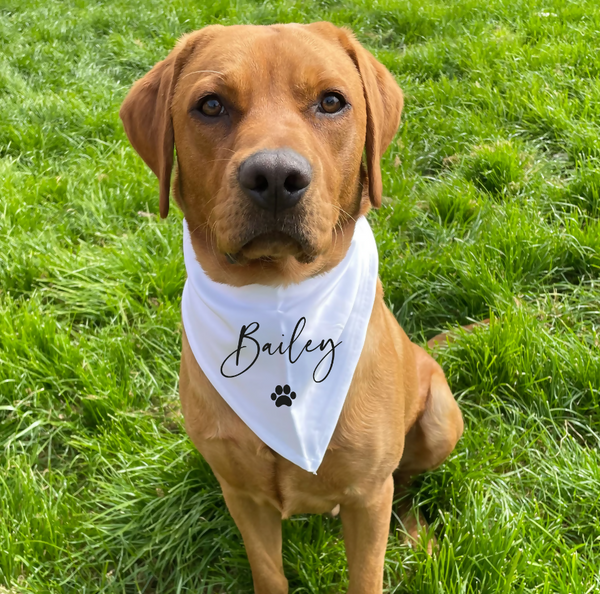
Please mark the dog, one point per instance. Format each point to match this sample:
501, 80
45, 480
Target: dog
320, 106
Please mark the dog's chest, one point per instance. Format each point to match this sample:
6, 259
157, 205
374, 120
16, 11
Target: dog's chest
366, 445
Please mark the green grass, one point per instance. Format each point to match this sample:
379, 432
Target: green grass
492, 210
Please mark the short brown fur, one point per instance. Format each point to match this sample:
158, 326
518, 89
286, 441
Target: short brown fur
399, 416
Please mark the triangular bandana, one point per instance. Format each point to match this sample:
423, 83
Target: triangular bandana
283, 357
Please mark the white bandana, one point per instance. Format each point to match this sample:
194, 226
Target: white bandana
283, 357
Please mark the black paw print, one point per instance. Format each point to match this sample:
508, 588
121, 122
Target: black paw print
283, 396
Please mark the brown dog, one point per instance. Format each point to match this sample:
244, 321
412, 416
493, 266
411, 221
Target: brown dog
313, 100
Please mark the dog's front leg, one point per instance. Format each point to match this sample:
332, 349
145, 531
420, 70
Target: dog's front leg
260, 525
366, 529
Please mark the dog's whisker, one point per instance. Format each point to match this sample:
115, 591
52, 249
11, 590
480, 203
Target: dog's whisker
211, 241
197, 228
340, 209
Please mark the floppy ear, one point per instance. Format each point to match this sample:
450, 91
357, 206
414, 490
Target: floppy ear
384, 101
384, 106
146, 116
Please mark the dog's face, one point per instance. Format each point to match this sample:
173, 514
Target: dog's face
269, 125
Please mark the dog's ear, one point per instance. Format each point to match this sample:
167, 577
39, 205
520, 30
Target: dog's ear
384, 101
146, 114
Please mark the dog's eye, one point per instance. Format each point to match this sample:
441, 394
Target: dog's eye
211, 106
332, 103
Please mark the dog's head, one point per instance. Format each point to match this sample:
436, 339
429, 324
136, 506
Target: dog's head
269, 125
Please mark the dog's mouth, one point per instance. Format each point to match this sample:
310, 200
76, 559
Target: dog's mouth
272, 246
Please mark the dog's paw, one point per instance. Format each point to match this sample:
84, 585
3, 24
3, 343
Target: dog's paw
283, 396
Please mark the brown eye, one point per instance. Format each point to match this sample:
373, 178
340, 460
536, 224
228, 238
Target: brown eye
212, 107
332, 103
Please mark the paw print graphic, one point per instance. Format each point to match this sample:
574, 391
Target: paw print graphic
283, 396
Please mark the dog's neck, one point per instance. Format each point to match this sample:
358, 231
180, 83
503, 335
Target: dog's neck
283, 357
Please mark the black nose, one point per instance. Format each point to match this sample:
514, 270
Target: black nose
275, 179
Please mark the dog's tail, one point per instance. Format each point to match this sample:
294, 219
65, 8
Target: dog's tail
445, 338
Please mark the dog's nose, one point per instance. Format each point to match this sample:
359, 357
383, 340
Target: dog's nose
275, 180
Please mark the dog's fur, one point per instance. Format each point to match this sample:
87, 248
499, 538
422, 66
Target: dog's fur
399, 416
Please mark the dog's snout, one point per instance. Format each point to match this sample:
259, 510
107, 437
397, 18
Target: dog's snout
275, 180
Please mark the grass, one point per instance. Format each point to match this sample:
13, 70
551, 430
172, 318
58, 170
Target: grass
492, 210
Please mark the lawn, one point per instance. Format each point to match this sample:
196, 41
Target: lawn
492, 210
